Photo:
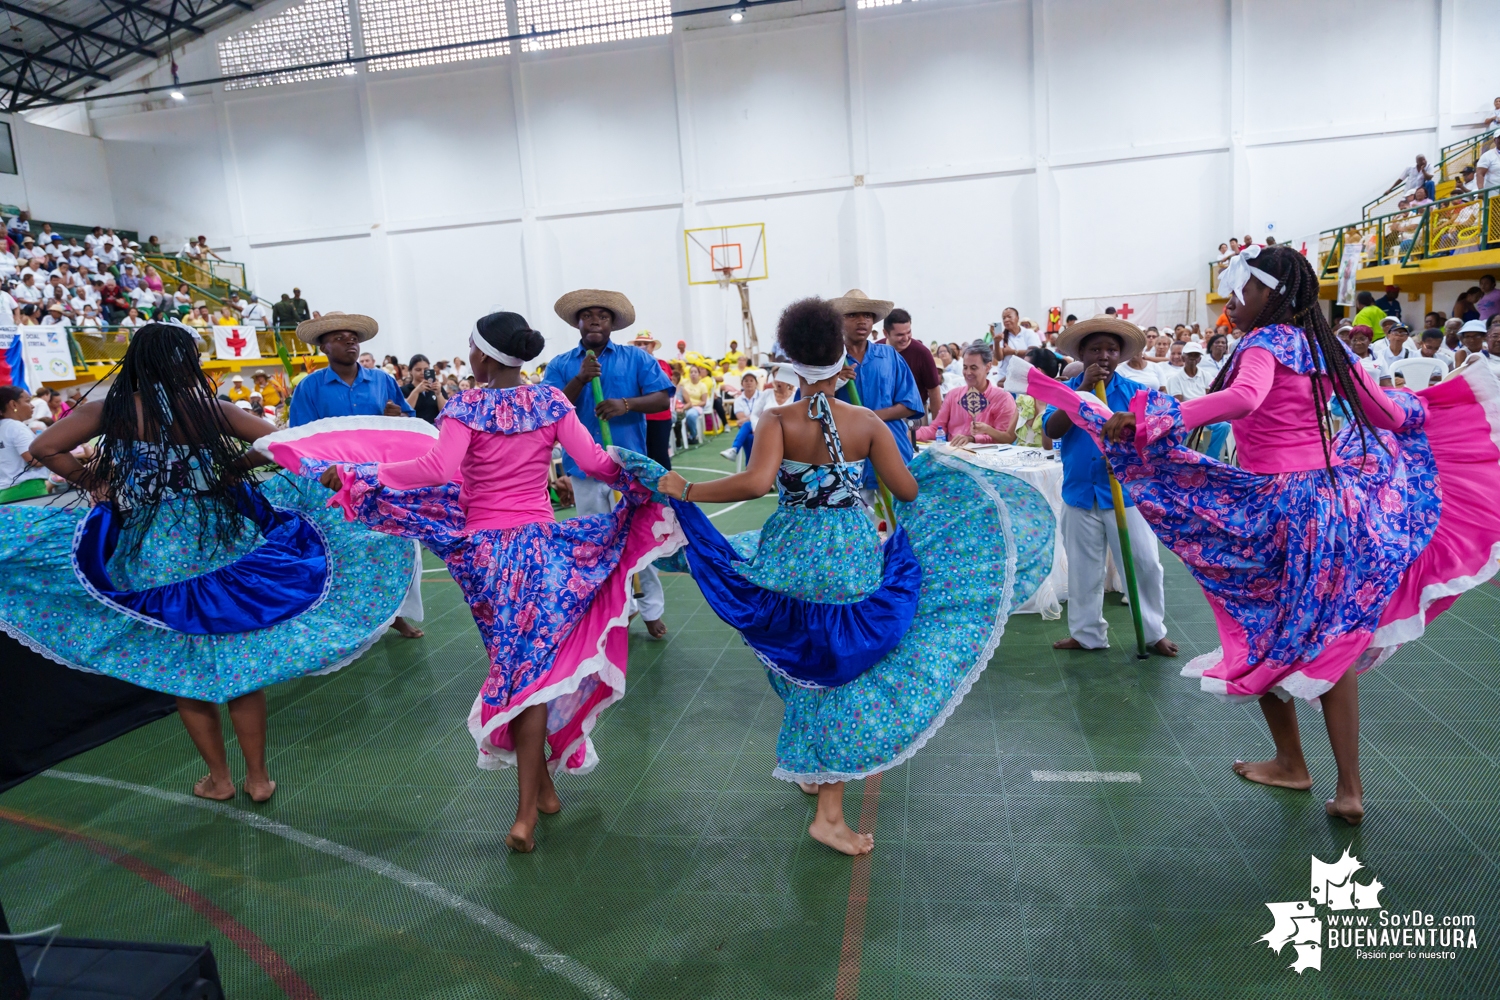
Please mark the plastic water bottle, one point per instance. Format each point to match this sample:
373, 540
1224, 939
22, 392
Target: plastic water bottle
942, 436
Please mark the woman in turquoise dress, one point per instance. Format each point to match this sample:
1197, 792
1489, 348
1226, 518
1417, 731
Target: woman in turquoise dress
870, 643
184, 575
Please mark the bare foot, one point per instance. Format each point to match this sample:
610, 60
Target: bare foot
521, 838
842, 839
656, 629
260, 791
1349, 808
407, 629
1070, 643
207, 788
547, 801
1274, 772
808, 787
1163, 647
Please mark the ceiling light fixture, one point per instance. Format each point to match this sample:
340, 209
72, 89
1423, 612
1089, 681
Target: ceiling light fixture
739, 12
178, 95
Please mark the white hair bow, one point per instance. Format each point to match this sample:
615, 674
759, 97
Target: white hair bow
1237, 274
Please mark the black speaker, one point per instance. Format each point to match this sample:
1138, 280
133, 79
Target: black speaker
84, 969
78, 968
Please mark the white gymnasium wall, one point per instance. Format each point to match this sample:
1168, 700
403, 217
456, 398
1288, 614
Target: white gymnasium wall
956, 155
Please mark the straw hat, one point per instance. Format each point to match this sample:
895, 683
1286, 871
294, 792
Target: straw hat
646, 337
365, 328
856, 301
570, 305
1132, 340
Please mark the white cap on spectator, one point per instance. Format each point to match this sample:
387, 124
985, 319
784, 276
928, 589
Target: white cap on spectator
1473, 326
243, 404
1193, 348
237, 378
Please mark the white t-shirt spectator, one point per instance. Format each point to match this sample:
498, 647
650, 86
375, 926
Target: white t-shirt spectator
1373, 365
1381, 349
1150, 376
15, 440
142, 297
39, 409
1412, 178
133, 324
255, 315
8, 264
27, 293
1490, 163
8, 307
1188, 386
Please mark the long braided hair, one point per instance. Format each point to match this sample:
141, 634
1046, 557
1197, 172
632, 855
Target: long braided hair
1295, 303
178, 409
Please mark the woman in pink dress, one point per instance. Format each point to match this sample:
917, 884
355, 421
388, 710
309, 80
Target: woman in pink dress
1321, 553
552, 601
976, 410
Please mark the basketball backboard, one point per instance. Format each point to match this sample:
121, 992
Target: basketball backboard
724, 254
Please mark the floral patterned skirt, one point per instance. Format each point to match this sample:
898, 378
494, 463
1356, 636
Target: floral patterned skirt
1309, 577
45, 605
551, 600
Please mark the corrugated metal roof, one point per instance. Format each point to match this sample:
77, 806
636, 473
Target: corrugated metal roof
56, 48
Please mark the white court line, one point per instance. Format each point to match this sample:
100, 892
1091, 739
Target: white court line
695, 468
545, 955
1123, 777
726, 510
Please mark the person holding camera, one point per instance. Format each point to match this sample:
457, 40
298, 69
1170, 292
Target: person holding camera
425, 393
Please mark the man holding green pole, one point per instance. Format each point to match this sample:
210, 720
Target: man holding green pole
881, 380
631, 384
1088, 524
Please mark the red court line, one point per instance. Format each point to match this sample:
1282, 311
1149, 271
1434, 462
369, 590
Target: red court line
281, 973
847, 986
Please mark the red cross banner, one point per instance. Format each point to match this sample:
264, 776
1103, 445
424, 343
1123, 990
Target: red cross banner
1141, 308
231, 343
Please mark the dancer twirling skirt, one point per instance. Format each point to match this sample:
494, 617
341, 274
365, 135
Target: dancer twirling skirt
870, 644
185, 576
1322, 553
551, 600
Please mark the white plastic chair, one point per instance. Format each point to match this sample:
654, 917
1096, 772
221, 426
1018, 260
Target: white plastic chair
1418, 372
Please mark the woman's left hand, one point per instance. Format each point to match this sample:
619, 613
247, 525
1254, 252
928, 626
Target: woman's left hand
672, 484
1120, 427
331, 478
960, 440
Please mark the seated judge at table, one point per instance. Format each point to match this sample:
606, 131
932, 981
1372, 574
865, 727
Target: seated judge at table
975, 411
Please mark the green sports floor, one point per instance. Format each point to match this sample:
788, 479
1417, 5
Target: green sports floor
680, 868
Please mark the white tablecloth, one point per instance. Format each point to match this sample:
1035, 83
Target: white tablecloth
1043, 470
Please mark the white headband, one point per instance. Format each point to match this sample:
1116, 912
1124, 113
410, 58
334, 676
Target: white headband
817, 373
1237, 275
476, 340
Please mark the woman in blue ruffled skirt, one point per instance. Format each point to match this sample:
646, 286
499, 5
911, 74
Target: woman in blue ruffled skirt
184, 575
870, 643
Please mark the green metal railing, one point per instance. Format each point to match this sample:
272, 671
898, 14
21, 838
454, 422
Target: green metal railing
1461, 224
1465, 152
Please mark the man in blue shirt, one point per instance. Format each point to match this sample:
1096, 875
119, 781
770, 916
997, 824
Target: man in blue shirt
1088, 515
633, 384
347, 389
884, 381
344, 388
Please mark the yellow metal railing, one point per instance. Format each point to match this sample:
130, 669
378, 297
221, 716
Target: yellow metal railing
1461, 224
106, 345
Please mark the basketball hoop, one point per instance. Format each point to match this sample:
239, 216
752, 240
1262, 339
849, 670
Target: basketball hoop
726, 276
730, 257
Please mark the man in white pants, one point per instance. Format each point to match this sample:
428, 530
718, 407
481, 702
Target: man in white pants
1088, 517
633, 385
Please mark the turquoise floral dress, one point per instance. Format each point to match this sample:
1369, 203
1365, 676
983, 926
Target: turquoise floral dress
913, 619
295, 590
